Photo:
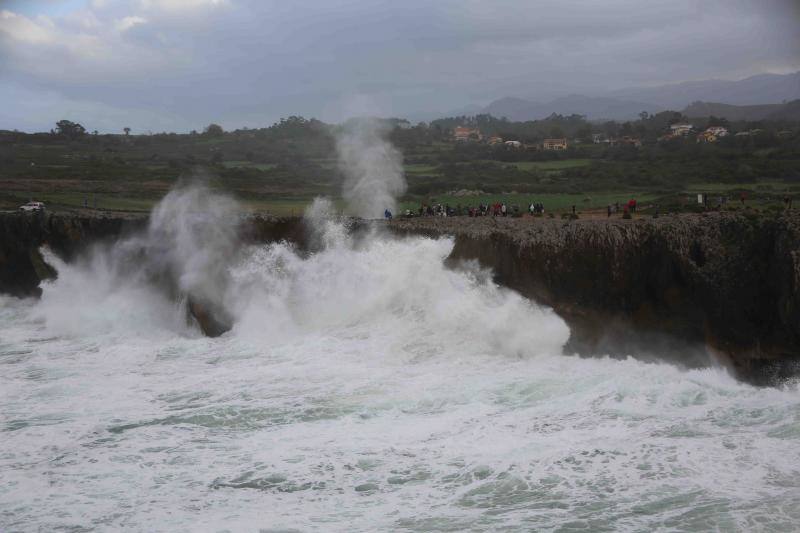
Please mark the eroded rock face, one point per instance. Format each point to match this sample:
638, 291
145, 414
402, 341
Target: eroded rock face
22, 267
723, 281
212, 320
682, 285
136, 249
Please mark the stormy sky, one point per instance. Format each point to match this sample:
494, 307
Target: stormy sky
176, 65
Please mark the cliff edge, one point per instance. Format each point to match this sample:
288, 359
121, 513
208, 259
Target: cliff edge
688, 287
728, 282
22, 235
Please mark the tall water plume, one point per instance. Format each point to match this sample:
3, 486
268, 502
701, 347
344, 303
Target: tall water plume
193, 234
372, 166
181, 260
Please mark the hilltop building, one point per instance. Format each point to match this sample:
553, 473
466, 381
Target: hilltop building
554, 144
627, 141
680, 129
712, 134
749, 133
463, 134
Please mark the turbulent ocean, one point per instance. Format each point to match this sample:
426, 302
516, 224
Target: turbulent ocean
365, 386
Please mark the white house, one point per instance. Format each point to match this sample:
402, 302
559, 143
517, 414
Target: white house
680, 129
717, 131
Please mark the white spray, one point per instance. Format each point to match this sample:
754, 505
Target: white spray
184, 255
373, 168
193, 233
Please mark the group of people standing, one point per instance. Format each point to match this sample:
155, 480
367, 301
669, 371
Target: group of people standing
501, 209
496, 209
628, 208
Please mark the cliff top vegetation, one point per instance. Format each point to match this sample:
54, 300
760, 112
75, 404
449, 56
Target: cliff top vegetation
281, 167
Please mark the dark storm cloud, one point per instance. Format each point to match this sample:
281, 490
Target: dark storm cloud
179, 64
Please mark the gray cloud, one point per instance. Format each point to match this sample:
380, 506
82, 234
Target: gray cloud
179, 64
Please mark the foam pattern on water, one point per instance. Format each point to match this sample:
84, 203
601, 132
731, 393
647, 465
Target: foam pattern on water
366, 387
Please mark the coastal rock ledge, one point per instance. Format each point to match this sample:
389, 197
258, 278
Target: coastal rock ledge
722, 287
695, 289
23, 268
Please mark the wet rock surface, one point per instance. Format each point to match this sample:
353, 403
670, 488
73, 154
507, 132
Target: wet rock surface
22, 267
22, 235
676, 285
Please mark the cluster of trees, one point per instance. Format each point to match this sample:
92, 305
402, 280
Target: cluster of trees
69, 129
648, 127
300, 153
314, 133
532, 131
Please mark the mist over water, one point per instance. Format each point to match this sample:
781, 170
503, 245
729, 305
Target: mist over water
147, 279
372, 166
363, 386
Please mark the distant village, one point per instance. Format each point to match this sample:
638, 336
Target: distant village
681, 130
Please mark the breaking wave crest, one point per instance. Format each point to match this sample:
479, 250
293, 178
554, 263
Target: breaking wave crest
275, 292
363, 386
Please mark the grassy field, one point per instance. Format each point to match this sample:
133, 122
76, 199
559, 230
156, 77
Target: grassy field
282, 175
776, 187
551, 165
114, 202
284, 206
75, 200
420, 169
296, 205
525, 166
248, 164
552, 202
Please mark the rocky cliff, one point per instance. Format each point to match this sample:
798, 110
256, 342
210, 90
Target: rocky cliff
726, 283
677, 287
22, 267
23, 234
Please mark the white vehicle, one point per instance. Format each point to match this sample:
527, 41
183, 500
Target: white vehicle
32, 206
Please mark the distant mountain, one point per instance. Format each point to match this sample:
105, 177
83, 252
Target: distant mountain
787, 111
594, 108
517, 109
599, 107
626, 104
427, 116
769, 88
465, 111
731, 112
